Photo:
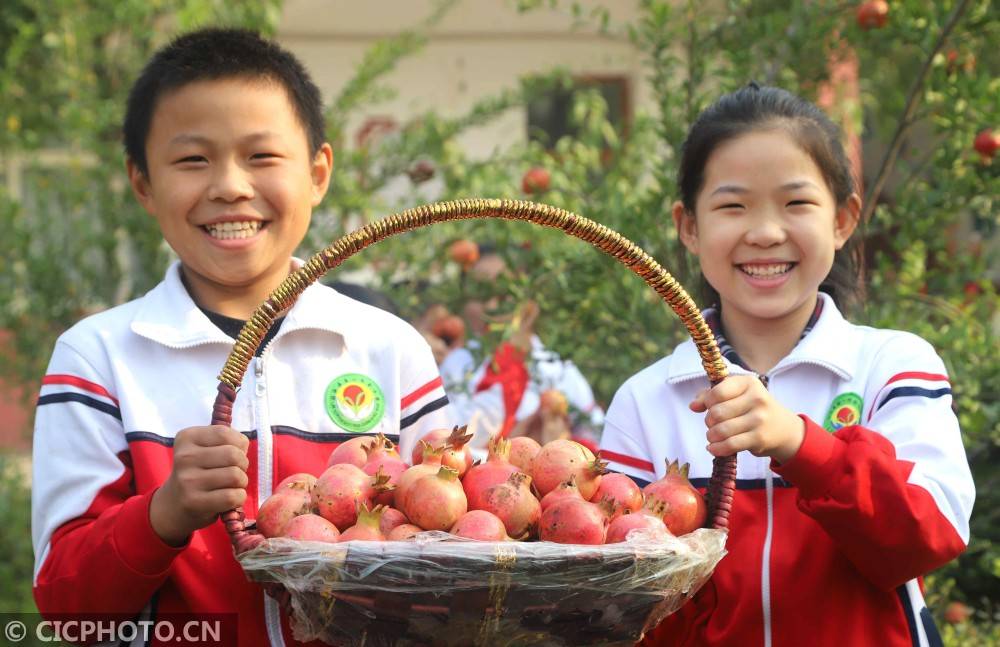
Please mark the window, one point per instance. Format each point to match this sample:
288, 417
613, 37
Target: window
549, 115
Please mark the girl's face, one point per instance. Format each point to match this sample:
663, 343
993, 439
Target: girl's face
765, 227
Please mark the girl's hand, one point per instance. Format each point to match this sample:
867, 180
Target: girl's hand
742, 414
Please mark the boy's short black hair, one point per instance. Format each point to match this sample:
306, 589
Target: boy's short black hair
219, 53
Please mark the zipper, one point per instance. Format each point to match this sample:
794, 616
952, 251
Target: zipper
765, 572
272, 612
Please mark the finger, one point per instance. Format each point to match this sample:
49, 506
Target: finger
223, 478
729, 409
220, 435
698, 404
727, 389
218, 456
219, 501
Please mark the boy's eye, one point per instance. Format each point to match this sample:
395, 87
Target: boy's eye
731, 205
258, 156
190, 159
796, 203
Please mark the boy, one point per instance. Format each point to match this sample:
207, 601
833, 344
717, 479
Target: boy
225, 149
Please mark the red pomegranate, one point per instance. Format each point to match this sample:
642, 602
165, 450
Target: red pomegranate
536, 180
464, 252
685, 506
872, 15
451, 329
986, 144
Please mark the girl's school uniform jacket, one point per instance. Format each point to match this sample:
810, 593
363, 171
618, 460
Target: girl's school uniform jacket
829, 548
122, 383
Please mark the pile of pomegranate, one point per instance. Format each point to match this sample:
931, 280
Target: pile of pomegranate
560, 492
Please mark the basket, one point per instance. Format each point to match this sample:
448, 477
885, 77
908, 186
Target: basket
437, 590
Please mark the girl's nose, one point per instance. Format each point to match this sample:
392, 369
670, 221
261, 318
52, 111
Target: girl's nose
765, 230
230, 183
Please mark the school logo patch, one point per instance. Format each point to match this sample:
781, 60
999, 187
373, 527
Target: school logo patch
844, 412
354, 402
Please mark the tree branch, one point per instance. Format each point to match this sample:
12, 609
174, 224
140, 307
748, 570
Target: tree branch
907, 120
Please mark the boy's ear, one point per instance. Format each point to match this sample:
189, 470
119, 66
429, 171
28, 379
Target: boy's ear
687, 226
322, 166
140, 185
846, 220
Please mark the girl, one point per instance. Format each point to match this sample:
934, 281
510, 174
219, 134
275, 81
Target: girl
852, 478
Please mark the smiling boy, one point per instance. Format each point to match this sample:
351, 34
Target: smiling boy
225, 149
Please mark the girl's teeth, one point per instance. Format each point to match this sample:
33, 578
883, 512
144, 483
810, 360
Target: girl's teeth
766, 270
233, 230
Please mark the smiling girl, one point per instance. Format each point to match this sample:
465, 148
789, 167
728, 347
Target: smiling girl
852, 477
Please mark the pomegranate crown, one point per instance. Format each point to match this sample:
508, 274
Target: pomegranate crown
674, 467
430, 451
379, 443
369, 517
459, 437
447, 473
499, 448
380, 481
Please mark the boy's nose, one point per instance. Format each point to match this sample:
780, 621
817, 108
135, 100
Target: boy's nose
230, 183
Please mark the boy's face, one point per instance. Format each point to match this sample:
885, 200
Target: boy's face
231, 183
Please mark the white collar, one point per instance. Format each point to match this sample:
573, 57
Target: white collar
167, 314
831, 344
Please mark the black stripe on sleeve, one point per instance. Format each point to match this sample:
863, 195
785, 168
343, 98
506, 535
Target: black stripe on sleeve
904, 391
424, 410
93, 403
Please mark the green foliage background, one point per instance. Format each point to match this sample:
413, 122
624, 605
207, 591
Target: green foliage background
78, 242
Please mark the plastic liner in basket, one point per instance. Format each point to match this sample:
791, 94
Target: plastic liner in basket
437, 589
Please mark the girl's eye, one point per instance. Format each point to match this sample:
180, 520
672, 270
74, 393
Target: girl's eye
731, 205
261, 156
795, 203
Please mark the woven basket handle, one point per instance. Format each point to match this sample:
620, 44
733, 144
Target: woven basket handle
723, 480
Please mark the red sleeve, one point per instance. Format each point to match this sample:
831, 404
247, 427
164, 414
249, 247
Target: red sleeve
507, 369
111, 562
852, 483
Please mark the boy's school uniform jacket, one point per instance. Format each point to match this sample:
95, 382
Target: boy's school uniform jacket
122, 383
829, 548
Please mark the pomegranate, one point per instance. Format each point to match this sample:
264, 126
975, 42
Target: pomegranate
514, 504
522, 451
685, 506
567, 490
367, 527
388, 463
481, 525
986, 144
464, 252
391, 518
552, 401
495, 470
573, 521
873, 14
311, 527
280, 508
403, 532
456, 454
649, 517
421, 171
353, 452
436, 502
429, 464
622, 490
341, 487
450, 329
956, 613
536, 180
300, 481
561, 459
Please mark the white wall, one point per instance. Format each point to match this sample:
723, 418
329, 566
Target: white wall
478, 49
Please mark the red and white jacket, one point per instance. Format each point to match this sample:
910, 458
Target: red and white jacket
829, 548
119, 387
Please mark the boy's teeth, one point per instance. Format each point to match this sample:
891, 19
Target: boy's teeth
231, 230
772, 269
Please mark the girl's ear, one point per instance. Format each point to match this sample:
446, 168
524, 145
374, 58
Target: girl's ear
687, 227
846, 220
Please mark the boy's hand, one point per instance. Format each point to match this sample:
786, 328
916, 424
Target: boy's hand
742, 414
209, 476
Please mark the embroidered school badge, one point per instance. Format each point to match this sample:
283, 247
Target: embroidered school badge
354, 402
844, 411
